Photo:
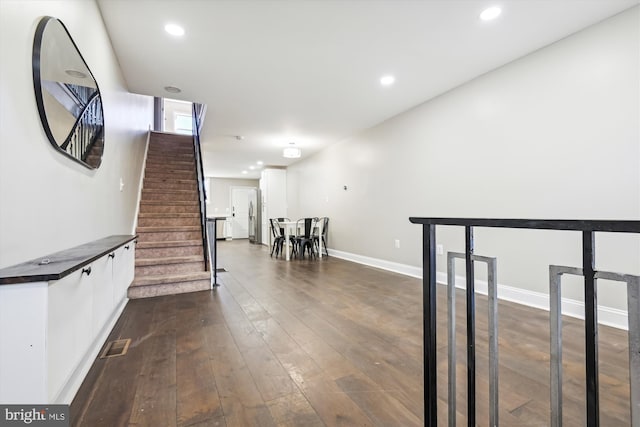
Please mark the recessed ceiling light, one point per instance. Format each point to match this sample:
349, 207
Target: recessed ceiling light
244, 172
174, 30
75, 73
252, 167
259, 163
490, 13
387, 80
172, 89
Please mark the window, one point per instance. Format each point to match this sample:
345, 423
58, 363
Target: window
183, 124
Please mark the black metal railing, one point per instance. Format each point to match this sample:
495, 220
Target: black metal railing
588, 229
86, 131
83, 94
202, 195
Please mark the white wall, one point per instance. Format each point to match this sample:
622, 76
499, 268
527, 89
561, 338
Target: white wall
219, 197
552, 135
48, 202
173, 107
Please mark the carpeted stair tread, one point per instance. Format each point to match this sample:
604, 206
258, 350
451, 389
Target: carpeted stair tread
169, 215
158, 229
170, 180
160, 190
173, 278
168, 243
142, 262
169, 202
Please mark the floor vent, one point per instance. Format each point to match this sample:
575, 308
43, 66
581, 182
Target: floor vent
221, 270
116, 348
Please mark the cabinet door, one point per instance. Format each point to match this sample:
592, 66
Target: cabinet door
69, 332
102, 282
123, 271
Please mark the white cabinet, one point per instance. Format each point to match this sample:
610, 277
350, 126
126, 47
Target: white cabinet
51, 331
273, 187
123, 271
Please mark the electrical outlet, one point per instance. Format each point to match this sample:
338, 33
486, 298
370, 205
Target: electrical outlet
397, 243
440, 249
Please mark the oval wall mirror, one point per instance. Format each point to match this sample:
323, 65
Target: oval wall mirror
67, 95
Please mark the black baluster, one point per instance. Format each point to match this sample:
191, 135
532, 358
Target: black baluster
471, 329
429, 325
590, 328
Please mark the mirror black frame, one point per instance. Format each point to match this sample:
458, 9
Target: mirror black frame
37, 85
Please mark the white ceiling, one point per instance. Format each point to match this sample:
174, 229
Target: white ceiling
308, 71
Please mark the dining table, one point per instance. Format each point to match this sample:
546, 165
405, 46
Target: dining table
290, 229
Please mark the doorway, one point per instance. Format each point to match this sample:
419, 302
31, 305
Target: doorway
240, 212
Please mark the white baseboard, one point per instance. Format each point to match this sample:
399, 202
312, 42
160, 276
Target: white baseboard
396, 267
606, 315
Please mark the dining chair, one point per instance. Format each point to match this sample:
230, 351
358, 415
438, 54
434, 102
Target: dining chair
321, 234
305, 240
277, 235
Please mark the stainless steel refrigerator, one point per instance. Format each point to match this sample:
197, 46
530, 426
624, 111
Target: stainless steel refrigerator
255, 220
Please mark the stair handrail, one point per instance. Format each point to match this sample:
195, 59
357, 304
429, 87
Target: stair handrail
202, 195
86, 130
587, 228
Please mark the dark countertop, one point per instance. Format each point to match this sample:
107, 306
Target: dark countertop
63, 263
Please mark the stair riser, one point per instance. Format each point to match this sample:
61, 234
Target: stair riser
169, 252
170, 269
149, 291
161, 156
169, 185
169, 208
186, 155
164, 166
159, 195
170, 157
170, 174
155, 222
169, 235
166, 147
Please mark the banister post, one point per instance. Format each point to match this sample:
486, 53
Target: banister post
429, 325
590, 328
471, 328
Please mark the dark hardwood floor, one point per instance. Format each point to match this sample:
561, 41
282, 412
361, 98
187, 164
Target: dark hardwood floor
326, 342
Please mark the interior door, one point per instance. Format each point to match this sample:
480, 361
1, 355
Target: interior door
240, 213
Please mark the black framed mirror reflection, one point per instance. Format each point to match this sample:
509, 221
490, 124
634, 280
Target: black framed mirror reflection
67, 95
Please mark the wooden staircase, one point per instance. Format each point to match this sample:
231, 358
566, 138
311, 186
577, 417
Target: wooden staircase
169, 254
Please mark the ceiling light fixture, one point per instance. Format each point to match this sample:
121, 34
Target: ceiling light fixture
244, 172
259, 163
172, 89
291, 152
174, 30
75, 73
387, 80
490, 13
